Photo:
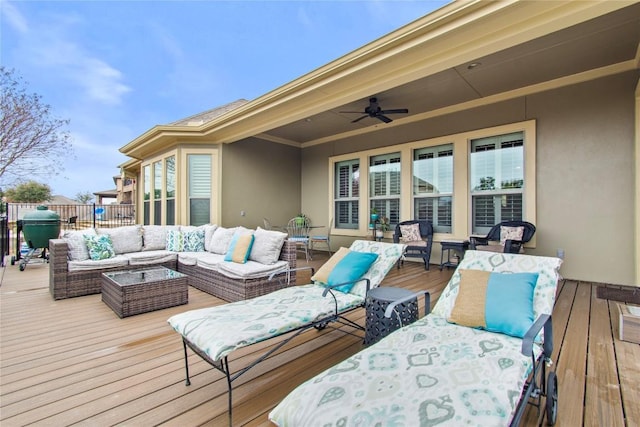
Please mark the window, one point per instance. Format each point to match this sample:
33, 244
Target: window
384, 186
147, 194
199, 188
496, 180
170, 190
157, 193
346, 194
433, 186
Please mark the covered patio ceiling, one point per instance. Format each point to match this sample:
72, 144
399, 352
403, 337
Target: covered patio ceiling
608, 44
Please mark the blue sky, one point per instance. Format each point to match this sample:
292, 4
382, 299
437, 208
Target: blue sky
115, 69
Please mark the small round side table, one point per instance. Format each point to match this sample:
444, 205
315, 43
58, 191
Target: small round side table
377, 326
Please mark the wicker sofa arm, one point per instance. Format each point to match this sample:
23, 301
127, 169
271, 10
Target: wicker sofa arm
58, 269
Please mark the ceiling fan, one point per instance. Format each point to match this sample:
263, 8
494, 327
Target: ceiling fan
374, 110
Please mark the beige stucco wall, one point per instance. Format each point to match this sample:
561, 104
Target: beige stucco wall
585, 171
253, 173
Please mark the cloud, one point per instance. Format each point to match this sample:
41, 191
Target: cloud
14, 17
101, 81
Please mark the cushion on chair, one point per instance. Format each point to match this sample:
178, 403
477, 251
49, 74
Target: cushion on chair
240, 248
410, 232
267, 246
77, 245
220, 240
497, 302
124, 239
510, 233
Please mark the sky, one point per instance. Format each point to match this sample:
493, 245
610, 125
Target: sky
115, 69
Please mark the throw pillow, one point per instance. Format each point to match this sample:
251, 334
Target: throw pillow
497, 302
267, 246
193, 241
240, 248
345, 268
99, 246
510, 233
175, 241
410, 233
220, 240
76, 243
125, 239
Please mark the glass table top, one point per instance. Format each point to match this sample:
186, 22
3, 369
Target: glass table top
136, 277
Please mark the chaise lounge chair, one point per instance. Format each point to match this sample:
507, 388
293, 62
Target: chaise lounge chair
437, 371
214, 333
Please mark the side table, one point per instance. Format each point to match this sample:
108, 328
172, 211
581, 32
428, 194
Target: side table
377, 325
459, 247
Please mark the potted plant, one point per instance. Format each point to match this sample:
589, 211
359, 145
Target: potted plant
384, 226
374, 214
302, 219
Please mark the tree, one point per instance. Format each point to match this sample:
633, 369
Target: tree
29, 192
84, 198
32, 142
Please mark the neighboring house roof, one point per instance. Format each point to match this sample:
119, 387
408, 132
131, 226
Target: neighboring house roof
207, 116
62, 200
107, 193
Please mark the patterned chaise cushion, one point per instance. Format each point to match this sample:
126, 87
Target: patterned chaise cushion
497, 302
388, 255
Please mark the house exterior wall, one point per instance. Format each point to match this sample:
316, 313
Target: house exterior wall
585, 200
261, 179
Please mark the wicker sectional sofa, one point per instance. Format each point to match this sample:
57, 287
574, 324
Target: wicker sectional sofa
73, 273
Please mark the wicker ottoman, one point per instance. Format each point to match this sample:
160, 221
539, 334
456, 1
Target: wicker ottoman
129, 293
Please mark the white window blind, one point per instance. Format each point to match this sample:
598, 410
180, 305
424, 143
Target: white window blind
347, 193
199, 188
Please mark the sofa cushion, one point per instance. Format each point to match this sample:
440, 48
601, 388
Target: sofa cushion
251, 269
155, 236
125, 239
267, 246
220, 240
99, 246
205, 260
209, 229
78, 250
87, 265
150, 257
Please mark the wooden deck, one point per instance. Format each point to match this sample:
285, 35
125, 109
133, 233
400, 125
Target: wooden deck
75, 362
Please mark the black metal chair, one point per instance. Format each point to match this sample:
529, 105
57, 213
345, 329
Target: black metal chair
512, 246
416, 249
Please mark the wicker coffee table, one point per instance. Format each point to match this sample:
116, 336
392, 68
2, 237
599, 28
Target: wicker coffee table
133, 292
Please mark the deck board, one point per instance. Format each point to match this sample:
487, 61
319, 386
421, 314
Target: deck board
75, 362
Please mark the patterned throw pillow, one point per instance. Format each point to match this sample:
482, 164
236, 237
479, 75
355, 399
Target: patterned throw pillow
175, 241
497, 302
510, 233
99, 246
410, 233
193, 240
240, 248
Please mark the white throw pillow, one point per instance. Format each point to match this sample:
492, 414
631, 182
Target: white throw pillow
78, 250
155, 236
125, 239
220, 240
209, 229
267, 246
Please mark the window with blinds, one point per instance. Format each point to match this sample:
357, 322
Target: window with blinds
433, 186
496, 180
157, 193
384, 186
347, 192
146, 206
170, 190
199, 188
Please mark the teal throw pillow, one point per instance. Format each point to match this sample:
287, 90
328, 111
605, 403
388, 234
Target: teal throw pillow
240, 248
193, 241
99, 246
350, 269
175, 241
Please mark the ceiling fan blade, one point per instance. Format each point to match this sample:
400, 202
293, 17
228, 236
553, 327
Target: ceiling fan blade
358, 112
396, 111
383, 118
359, 118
